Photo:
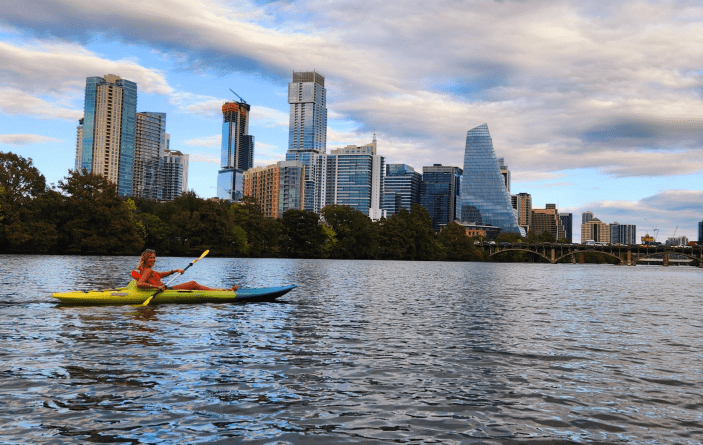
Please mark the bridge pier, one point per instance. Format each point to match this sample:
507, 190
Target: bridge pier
629, 257
554, 256
666, 259
581, 260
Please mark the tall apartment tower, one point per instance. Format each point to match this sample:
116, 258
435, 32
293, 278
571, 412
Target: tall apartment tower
277, 187
595, 230
79, 145
173, 175
547, 220
149, 146
700, 232
353, 176
237, 151
439, 192
623, 233
307, 130
484, 197
586, 217
108, 130
522, 204
401, 188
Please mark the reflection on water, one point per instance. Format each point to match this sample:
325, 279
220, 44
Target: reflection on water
360, 352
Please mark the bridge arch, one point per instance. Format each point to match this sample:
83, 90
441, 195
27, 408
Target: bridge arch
521, 250
590, 250
670, 252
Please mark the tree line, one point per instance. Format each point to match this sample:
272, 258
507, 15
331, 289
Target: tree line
83, 215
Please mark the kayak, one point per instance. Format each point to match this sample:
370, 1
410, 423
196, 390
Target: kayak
134, 295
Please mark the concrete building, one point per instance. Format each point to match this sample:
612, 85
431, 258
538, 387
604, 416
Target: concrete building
307, 131
237, 150
277, 187
401, 188
484, 198
439, 193
586, 217
107, 148
505, 172
173, 172
547, 220
595, 230
677, 241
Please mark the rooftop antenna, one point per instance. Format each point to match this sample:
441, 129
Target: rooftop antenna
240, 97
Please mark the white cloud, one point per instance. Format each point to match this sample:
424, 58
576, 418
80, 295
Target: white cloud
25, 139
207, 158
16, 102
207, 141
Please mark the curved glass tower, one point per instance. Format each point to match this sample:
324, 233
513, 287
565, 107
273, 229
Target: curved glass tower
484, 198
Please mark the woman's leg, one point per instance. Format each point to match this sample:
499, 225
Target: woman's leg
192, 285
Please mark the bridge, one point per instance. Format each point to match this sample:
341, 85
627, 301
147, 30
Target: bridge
627, 255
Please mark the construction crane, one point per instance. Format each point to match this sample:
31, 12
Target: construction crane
654, 229
677, 228
240, 97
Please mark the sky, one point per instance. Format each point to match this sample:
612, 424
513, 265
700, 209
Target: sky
595, 105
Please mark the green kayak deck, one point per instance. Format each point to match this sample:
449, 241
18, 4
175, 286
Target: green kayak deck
133, 295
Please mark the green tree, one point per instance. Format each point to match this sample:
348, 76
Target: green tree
408, 236
456, 245
304, 236
93, 219
24, 224
197, 225
263, 235
356, 235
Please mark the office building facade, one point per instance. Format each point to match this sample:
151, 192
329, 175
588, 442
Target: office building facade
623, 233
547, 220
79, 145
567, 222
439, 193
586, 217
595, 230
237, 150
401, 188
522, 204
700, 232
353, 176
484, 198
109, 121
307, 131
505, 172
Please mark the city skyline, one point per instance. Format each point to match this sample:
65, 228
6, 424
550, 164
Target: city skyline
594, 107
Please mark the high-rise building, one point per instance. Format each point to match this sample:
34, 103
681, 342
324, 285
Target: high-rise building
484, 198
307, 130
439, 192
108, 130
700, 232
677, 241
354, 177
586, 217
623, 233
237, 152
547, 220
522, 204
401, 188
595, 230
505, 172
149, 146
567, 221
277, 187
173, 175
79, 145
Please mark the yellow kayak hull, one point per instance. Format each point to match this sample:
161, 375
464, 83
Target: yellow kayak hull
134, 295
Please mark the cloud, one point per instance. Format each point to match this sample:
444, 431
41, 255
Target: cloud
207, 141
25, 139
668, 212
562, 85
207, 158
16, 102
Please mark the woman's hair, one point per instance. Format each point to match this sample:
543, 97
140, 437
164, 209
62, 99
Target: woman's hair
142, 260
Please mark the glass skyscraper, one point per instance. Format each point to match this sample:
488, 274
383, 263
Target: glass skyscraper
237, 152
439, 192
149, 146
109, 121
307, 130
401, 188
484, 198
567, 220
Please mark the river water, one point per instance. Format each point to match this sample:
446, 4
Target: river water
363, 352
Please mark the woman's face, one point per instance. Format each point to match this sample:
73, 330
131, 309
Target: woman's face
150, 260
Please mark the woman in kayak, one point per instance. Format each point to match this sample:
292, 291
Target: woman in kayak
152, 279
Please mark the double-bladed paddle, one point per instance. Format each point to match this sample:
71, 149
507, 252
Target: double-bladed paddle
148, 300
